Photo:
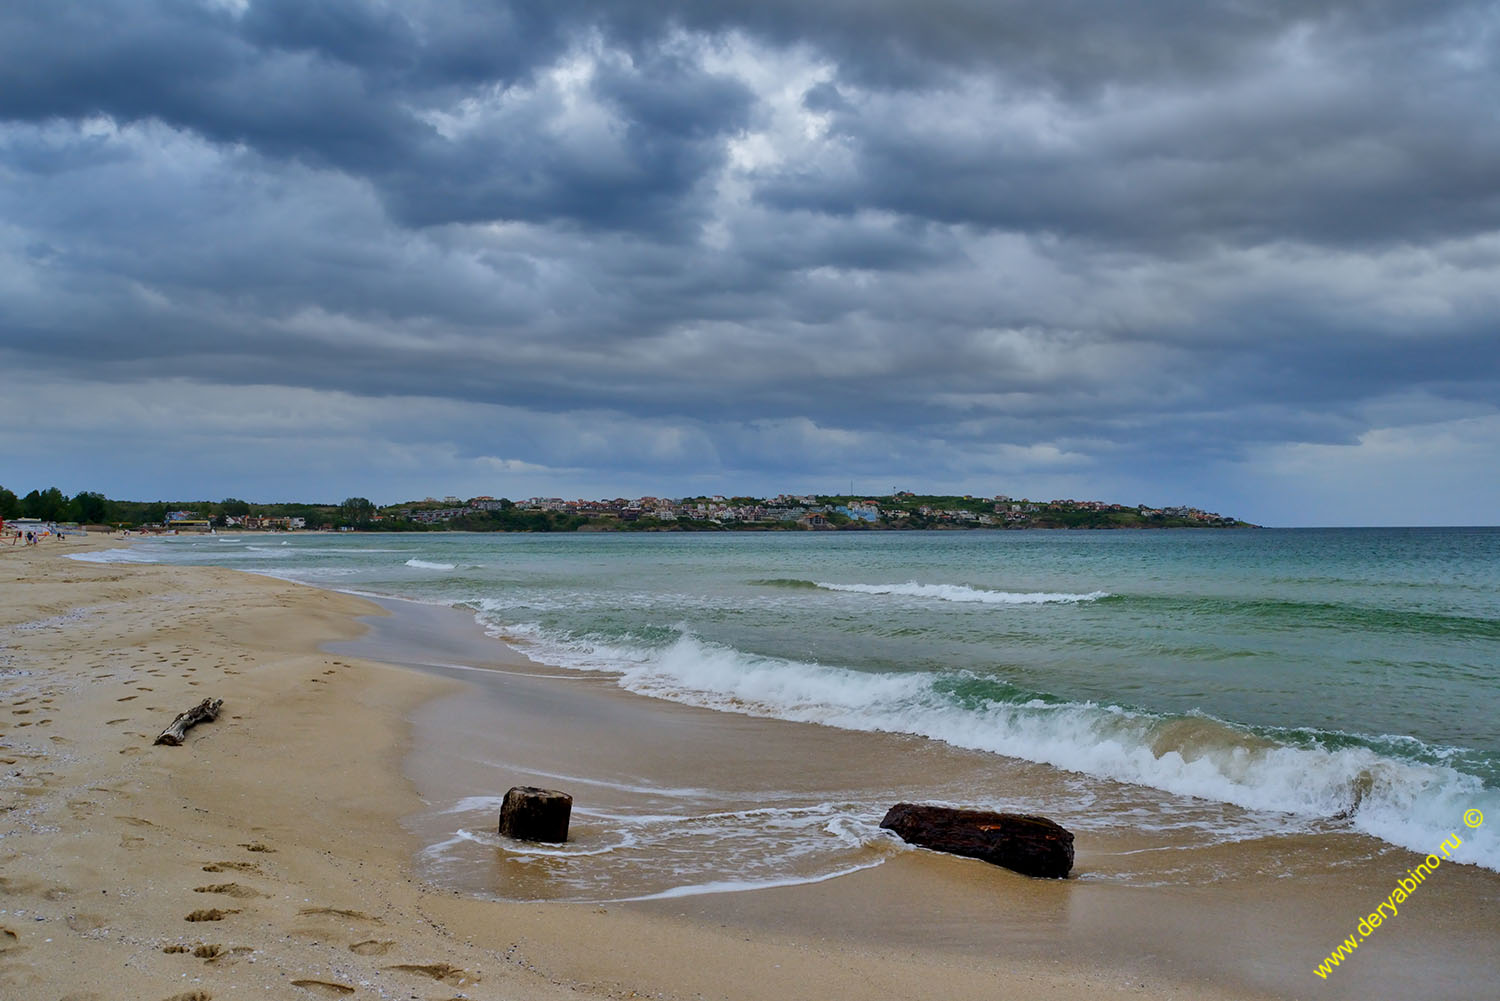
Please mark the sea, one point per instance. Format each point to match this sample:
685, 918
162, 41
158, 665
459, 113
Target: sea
1223, 684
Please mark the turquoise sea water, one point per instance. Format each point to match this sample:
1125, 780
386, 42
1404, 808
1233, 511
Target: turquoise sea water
1317, 678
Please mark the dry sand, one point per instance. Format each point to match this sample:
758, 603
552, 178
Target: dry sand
267, 856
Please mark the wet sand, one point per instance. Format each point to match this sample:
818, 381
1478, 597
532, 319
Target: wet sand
1153, 906
280, 850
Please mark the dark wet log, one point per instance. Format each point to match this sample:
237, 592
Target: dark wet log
531, 814
1034, 846
204, 712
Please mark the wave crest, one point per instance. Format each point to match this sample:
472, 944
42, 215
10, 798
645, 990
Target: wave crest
959, 592
1318, 777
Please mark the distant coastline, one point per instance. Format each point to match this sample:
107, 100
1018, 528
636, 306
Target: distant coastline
903, 511
895, 512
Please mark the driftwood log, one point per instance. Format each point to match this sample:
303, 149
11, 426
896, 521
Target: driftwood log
532, 814
1033, 846
204, 712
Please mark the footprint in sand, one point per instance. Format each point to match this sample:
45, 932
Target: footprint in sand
127, 698
340, 913
214, 954
256, 846
191, 996
212, 914
86, 922
236, 866
8, 939
229, 890
324, 987
15, 885
371, 947
441, 972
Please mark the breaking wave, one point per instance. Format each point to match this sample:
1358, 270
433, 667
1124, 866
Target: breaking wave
958, 592
110, 556
1397, 789
425, 565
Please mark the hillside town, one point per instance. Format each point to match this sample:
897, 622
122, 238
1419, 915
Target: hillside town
44, 513
900, 510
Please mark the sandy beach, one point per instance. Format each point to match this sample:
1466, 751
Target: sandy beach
277, 853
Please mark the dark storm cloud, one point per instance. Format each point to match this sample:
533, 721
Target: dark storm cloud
345, 84
1357, 157
346, 87
1000, 236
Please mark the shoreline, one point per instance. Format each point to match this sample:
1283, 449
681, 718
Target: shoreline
105, 838
1238, 915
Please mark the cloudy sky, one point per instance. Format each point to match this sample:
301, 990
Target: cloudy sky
1239, 255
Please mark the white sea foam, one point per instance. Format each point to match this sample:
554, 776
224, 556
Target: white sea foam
958, 592
619, 854
425, 565
111, 556
1405, 802
579, 845
741, 885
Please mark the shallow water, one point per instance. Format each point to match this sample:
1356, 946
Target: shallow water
1218, 684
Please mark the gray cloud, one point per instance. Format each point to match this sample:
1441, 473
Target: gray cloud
1076, 245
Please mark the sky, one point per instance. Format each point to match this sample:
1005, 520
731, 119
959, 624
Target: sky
1243, 256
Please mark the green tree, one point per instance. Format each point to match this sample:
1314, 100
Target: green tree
10, 504
46, 504
356, 510
234, 506
89, 508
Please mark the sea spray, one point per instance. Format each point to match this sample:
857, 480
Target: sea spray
428, 565
1398, 800
960, 592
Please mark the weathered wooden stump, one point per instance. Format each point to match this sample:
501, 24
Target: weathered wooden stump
531, 814
204, 712
1033, 846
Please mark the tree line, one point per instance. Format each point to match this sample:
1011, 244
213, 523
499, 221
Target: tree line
92, 508
86, 507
